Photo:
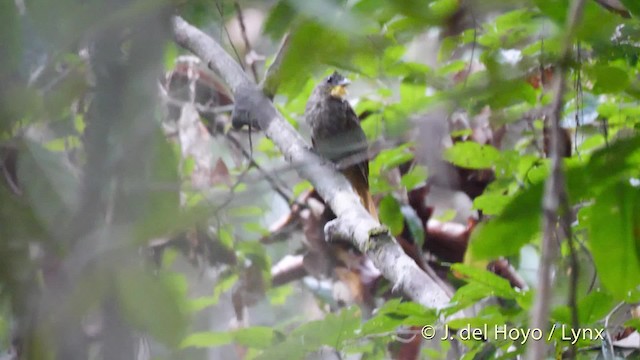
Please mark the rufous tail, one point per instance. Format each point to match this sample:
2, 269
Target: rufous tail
361, 187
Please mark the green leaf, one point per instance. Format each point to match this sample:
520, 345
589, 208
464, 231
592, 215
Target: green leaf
279, 20
332, 331
447, 215
632, 6
225, 236
279, 295
412, 96
466, 296
163, 202
153, 305
471, 155
416, 177
413, 221
390, 214
634, 323
491, 203
381, 324
309, 48
505, 234
395, 313
595, 306
301, 187
391, 158
246, 211
497, 285
10, 36
256, 337
51, 184
615, 237
223, 285
608, 79
207, 339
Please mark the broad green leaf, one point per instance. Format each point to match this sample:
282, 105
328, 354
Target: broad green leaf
381, 324
390, 158
279, 19
497, 285
632, 6
225, 236
471, 155
466, 296
634, 323
163, 202
279, 295
257, 337
519, 221
416, 177
491, 203
246, 211
415, 224
152, 305
395, 313
223, 285
314, 43
207, 339
615, 237
51, 184
608, 79
594, 306
332, 331
10, 35
390, 214
301, 187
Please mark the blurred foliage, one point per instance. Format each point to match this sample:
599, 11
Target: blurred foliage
80, 212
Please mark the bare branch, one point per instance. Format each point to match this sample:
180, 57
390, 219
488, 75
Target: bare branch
353, 220
555, 202
288, 269
247, 43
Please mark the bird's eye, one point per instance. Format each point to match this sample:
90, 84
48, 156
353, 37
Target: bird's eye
330, 79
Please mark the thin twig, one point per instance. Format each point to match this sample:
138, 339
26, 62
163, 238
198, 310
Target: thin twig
473, 48
247, 44
555, 202
233, 47
579, 99
572, 298
273, 181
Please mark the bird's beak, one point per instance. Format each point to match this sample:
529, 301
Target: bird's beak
340, 90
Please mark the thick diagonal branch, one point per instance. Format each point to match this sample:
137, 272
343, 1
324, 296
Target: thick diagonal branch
354, 222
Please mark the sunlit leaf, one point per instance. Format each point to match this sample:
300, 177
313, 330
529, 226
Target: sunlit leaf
472, 155
414, 178
207, 339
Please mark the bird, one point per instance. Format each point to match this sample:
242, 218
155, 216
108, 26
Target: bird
337, 136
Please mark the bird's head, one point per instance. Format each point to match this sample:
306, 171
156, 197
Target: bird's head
334, 85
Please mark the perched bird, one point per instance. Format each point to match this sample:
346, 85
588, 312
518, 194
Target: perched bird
337, 136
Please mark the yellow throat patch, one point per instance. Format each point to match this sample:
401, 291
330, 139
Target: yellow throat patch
339, 91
